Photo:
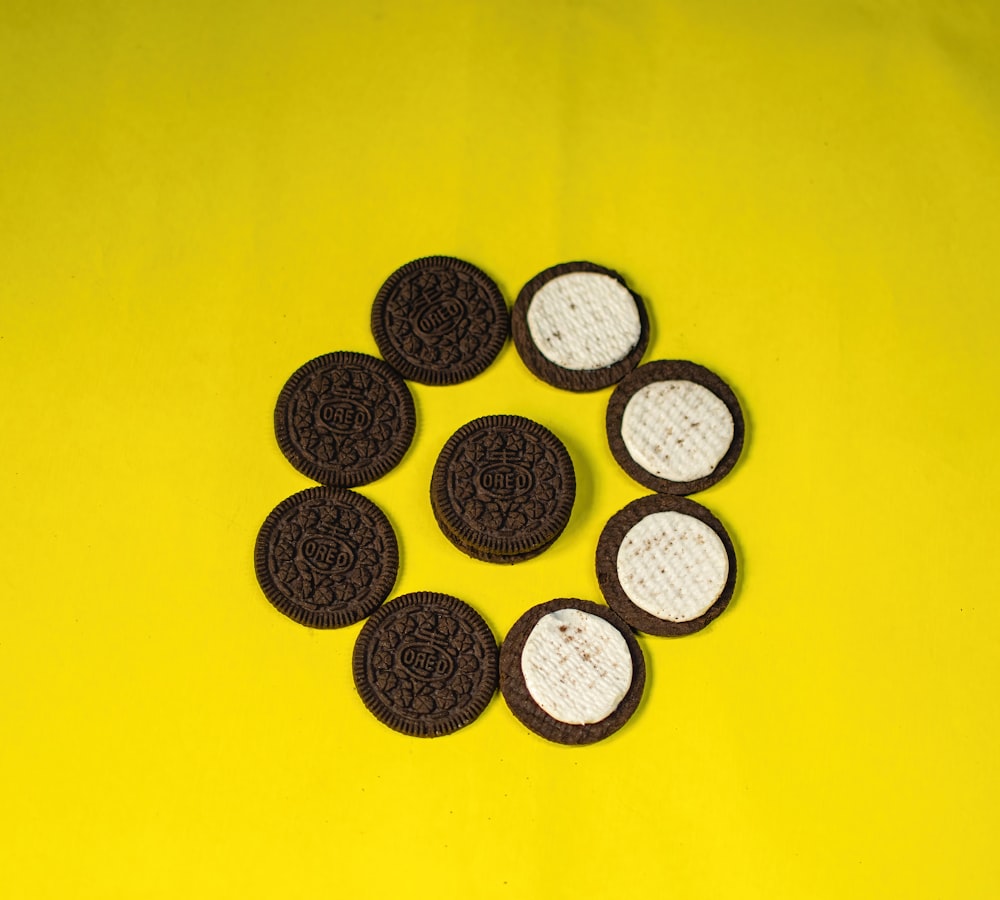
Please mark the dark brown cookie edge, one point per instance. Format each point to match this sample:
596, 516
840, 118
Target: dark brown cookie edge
484, 555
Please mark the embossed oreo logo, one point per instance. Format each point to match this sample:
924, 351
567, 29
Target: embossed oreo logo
345, 415
327, 553
425, 662
439, 316
506, 480
424, 656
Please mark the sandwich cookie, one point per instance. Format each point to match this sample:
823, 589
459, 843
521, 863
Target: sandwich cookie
344, 419
579, 326
666, 565
426, 664
439, 320
326, 557
675, 426
503, 488
571, 671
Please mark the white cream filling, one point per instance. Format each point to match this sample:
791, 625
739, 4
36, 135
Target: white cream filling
677, 430
673, 566
577, 666
584, 320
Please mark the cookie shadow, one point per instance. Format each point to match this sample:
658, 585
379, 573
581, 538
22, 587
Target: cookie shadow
749, 427
741, 574
583, 502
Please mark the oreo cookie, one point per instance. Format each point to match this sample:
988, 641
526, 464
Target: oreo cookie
503, 488
675, 426
344, 419
579, 326
485, 555
439, 320
571, 671
425, 664
326, 557
666, 565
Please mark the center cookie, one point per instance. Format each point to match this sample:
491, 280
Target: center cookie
426, 664
503, 488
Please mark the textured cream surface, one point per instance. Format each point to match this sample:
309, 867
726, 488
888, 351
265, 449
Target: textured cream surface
576, 666
584, 320
677, 430
673, 566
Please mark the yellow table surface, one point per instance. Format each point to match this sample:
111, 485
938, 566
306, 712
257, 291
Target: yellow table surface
196, 198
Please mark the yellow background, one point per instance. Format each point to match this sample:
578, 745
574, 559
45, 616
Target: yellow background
197, 198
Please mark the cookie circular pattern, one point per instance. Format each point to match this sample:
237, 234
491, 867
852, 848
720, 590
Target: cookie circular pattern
666, 565
571, 671
675, 426
579, 327
502, 491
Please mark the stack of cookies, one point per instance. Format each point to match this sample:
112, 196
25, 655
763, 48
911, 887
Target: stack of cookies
503, 488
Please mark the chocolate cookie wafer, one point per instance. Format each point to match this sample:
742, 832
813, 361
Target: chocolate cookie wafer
439, 320
425, 664
503, 488
326, 557
571, 671
484, 555
579, 326
675, 426
666, 565
344, 419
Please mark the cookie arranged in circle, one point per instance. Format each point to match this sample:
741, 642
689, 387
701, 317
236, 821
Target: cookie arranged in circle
675, 426
439, 320
326, 557
666, 565
571, 671
579, 326
344, 419
425, 664
503, 488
